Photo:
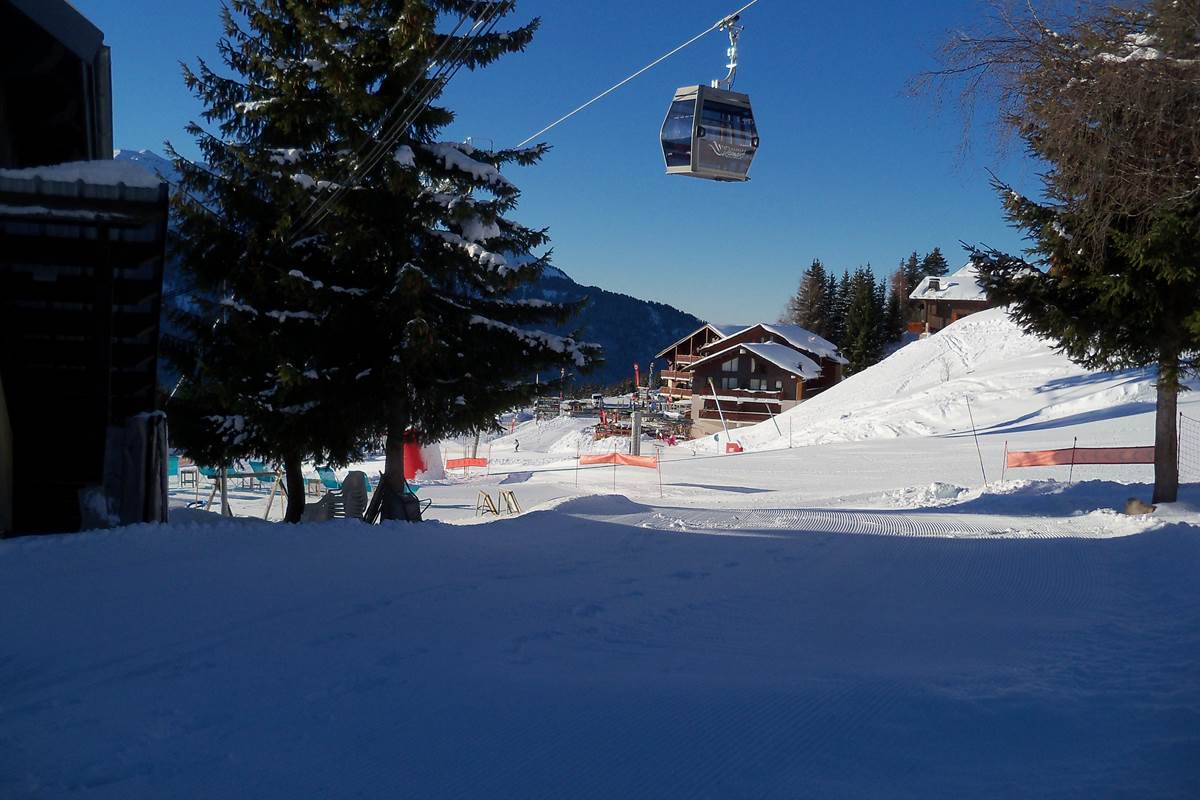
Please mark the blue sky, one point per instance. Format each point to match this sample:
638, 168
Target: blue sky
851, 169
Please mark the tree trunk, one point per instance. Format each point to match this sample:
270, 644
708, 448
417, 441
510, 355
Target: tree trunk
1166, 435
395, 505
294, 472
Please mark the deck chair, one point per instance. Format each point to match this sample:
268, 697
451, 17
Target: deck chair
262, 474
348, 502
328, 479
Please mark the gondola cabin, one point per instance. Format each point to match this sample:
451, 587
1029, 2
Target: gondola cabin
709, 133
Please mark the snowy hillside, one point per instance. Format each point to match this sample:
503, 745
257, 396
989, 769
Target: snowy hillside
1010, 379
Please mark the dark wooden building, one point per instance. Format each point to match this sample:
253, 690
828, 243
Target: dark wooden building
677, 375
937, 302
759, 372
81, 259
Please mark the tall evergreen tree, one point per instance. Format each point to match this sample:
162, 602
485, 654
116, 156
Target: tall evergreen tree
934, 264
363, 268
809, 307
1107, 97
839, 307
894, 310
911, 267
862, 344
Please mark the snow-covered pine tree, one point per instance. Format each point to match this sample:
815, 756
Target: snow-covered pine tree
934, 263
862, 344
363, 266
808, 307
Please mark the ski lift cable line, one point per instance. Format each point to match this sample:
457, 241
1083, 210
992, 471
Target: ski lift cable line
434, 59
382, 147
447, 69
726, 20
351, 174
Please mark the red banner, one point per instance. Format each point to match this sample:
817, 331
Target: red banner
733, 447
648, 462
463, 463
1081, 455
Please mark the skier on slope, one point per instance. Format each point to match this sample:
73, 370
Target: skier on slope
516, 445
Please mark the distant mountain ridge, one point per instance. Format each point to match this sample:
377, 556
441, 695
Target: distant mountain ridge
629, 329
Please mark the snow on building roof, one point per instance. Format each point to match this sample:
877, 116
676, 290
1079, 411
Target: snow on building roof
102, 173
722, 332
961, 285
805, 340
778, 354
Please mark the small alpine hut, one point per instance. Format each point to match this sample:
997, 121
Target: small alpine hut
936, 302
759, 372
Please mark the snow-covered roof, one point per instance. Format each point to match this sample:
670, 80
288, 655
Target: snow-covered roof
961, 285
104, 172
722, 332
778, 354
804, 339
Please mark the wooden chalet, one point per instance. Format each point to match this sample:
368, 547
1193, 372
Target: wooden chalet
677, 376
937, 302
749, 374
82, 244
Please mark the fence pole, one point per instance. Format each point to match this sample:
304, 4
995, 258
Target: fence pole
1004, 463
576, 466
1071, 474
658, 464
978, 451
614, 474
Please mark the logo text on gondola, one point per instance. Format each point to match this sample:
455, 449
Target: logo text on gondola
729, 151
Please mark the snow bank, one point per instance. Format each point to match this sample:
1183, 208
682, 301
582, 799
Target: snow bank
563, 654
1010, 379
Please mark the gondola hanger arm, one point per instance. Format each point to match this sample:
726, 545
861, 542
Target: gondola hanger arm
728, 21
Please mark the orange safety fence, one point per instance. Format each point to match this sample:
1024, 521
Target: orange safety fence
1080, 455
463, 463
649, 462
733, 447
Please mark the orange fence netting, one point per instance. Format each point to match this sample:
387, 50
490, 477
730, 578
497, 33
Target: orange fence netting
649, 462
1081, 455
463, 463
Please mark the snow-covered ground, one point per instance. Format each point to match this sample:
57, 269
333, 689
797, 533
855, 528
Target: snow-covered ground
845, 610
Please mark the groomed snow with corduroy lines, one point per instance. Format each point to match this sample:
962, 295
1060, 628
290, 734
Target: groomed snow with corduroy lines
845, 610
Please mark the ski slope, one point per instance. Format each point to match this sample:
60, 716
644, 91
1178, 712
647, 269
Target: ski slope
861, 605
982, 366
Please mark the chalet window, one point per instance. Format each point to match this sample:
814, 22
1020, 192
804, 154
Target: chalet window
779, 386
759, 385
729, 383
730, 366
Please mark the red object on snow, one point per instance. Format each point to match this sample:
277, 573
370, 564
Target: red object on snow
733, 447
414, 462
637, 378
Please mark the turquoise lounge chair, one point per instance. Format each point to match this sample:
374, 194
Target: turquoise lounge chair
328, 479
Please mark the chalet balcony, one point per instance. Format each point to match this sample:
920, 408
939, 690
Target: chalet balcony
735, 416
677, 375
678, 393
733, 396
